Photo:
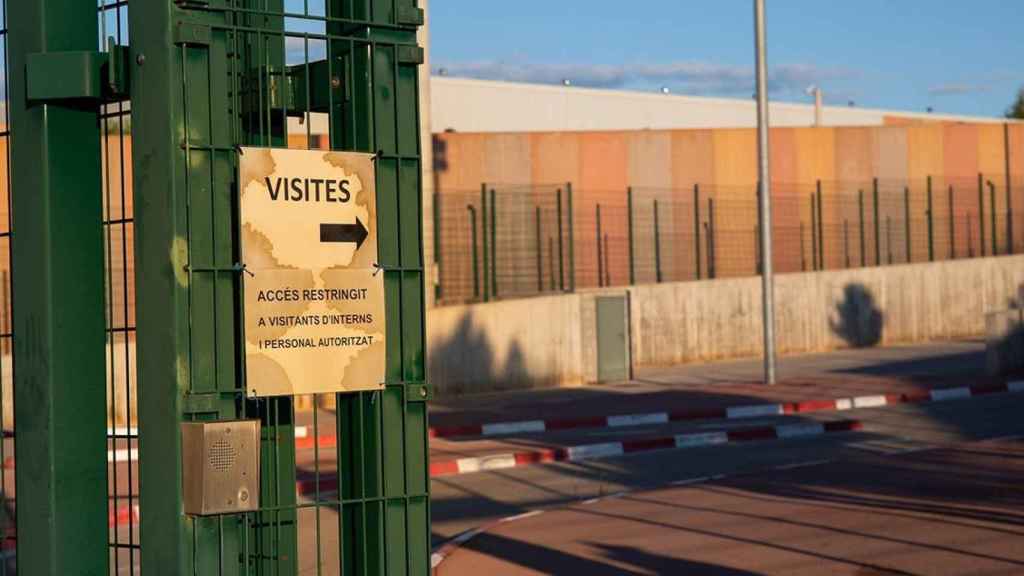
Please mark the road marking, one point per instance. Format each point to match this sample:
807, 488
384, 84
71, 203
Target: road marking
513, 427
701, 439
844, 404
799, 430
484, 463
638, 419
869, 401
894, 446
942, 395
807, 464
754, 411
595, 451
522, 516
691, 481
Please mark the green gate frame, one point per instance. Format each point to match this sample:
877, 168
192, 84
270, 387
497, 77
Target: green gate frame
210, 77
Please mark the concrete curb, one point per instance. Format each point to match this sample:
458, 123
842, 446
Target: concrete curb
304, 438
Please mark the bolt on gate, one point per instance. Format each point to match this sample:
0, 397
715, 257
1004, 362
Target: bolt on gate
128, 248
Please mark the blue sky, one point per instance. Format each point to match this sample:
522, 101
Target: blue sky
957, 56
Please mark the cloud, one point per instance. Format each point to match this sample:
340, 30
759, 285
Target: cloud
957, 89
689, 76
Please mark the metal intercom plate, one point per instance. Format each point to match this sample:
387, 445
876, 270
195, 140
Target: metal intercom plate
220, 466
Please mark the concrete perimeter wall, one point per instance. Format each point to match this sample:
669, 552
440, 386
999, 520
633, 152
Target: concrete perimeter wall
551, 341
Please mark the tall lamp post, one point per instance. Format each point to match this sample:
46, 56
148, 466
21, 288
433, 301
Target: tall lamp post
765, 197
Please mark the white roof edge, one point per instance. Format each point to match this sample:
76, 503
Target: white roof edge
553, 88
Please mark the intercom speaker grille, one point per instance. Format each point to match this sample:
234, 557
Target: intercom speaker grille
222, 455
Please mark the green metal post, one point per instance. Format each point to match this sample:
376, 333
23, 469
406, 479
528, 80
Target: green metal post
472, 240
494, 244
438, 293
551, 262
486, 241
607, 267
878, 224
600, 256
696, 227
888, 237
906, 220
814, 233
1009, 188
952, 226
572, 238
803, 249
846, 241
57, 252
629, 225
657, 245
931, 223
992, 214
561, 248
981, 212
540, 253
863, 242
821, 228
710, 227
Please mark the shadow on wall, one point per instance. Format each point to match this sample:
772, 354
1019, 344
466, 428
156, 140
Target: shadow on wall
465, 362
858, 319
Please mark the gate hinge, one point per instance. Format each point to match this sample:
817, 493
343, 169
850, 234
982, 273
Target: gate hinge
410, 55
417, 393
410, 15
78, 75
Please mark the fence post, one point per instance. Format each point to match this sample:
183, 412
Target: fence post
710, 227
629, 225
1009, 188
846, 241
888, 237
814, 232
931, 223
970, 236
657, 245
561, 247
981, 213
952, 226
494, 244
906, 217
757, 231
486, 242
540, 255
472, 231
600, 258
821, 229
551, 262
572, 238
992, 215
438, 291
59, 320
607, 263
863, 245
878, 223
803, 249
696, 226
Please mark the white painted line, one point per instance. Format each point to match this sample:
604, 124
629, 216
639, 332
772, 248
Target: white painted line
588, 451
591, 501
1015, 386
301, 431
522, 516
701, 439
798, 430
844, 404
467, 536
513, 427
754, 411
638, 419
123, 431
796, 465
484, 463
436, 559
950, 394
691, 481
122, 455
869, 401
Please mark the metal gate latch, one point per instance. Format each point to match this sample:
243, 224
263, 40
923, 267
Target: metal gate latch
78, 75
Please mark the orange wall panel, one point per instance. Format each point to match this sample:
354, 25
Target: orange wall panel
554, 157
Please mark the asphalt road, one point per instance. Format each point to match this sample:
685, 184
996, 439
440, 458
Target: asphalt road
922, 490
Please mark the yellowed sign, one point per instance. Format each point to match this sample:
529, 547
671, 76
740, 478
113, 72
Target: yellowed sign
314, 300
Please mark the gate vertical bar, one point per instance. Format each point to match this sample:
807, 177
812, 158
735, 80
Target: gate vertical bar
981, 212
540, 252
696, 227
486, 241
992, 215
1009, 188
931, 223
952, 226
821, 228
878, 224
863, 242
572, 237
814, 232
629, 225
561, 243
57, 258
600, 256
657, 245
476, 266
906, 225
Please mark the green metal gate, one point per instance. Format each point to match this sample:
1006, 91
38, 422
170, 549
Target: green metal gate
349, 495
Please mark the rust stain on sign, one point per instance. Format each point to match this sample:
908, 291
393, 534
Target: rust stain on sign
314, 302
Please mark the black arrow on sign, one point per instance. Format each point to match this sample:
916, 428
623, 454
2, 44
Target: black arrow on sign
355, 233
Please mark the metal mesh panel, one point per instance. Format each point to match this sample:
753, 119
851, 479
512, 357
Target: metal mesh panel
639, 235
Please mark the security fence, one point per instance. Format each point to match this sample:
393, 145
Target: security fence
510, 241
